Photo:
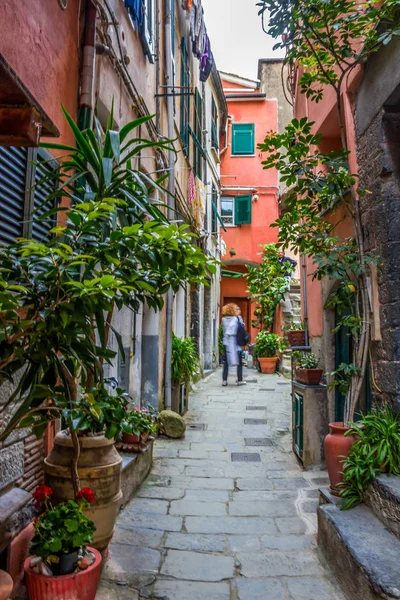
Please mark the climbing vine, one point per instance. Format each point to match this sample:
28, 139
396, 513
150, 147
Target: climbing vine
326, 40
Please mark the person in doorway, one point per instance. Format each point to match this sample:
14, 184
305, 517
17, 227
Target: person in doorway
288, 265
232, 350
239, 316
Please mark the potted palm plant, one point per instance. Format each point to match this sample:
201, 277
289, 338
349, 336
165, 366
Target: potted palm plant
61, 564
114, 248
267, 347
185, 367
306, 370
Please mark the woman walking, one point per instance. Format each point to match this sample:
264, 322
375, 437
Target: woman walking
232, 350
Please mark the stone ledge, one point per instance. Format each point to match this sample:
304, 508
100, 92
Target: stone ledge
384, 500
135, 468
364, 555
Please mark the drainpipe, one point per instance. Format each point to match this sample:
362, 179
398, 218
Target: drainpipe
86, 103
171, 190
305, 307
224, 149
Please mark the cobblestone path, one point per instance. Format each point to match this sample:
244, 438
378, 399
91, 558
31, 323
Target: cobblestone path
227, 513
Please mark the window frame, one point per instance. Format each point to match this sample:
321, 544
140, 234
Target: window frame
147, 30
197, 135
236, 127
27, 199
227, 224
214, 125
214, 219
185, 97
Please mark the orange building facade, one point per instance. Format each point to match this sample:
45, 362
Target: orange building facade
249, 194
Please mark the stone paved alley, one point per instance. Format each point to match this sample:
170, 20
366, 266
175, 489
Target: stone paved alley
207, 526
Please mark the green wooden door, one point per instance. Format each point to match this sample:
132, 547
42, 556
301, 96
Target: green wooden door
344, 354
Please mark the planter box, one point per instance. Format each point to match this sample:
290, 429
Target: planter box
297, 337
309, 376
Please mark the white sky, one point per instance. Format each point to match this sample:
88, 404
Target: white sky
236, 35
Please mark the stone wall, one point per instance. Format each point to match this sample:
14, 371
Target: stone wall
378, 155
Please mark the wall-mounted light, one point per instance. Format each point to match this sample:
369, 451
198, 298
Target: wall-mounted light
255, 198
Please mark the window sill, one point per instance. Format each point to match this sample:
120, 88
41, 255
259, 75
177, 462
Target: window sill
243, 155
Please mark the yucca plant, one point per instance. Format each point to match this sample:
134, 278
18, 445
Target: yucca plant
377, 449
113, 247
185, 361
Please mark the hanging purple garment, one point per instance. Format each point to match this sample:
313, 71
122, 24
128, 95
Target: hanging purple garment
207, 62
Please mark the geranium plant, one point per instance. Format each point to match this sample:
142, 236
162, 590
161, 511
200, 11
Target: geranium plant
62, 529
306, 360
139, 422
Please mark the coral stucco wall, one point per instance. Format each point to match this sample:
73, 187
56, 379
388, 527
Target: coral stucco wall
242, 175
40, 41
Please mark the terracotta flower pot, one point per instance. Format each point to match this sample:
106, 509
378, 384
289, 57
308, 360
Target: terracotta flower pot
309, 376
130, 438
99, 468
268, 364
337, 448
297, 337
79, 586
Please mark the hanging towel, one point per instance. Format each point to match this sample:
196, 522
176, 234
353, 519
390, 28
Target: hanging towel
191, 195
135, 8
207, 62
187, 4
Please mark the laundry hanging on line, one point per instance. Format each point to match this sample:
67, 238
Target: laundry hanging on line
136, 11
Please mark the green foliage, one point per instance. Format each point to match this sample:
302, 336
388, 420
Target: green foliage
297, 326
221, 340
113, 247
185, 361
306, 360
327, 38
268, 344
324, 40
267, 285
62, 529
139, 422
377, 449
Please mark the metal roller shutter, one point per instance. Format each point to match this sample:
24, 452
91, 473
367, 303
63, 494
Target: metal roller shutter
40, 229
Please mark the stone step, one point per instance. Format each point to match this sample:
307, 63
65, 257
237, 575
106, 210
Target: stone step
384, 500
361, 551
295, 297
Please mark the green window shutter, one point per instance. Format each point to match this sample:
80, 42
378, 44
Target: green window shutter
243, 210
243, 138
185, 98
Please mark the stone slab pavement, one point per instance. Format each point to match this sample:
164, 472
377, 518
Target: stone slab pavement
206, 527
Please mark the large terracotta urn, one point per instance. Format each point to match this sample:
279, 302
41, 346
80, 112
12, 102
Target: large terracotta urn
268, 364
337, 448
99, 468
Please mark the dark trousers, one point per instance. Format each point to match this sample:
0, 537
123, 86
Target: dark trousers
226, 367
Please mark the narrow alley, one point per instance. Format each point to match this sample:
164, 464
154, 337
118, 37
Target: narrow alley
227, 513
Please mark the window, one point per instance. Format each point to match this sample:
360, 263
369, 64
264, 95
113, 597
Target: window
141, 13
236, 210
147, 29
214, 125
227, 208
242, 139
214, 211
21, 194
197, 134
185, 98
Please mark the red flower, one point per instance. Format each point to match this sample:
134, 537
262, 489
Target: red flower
42, 492
87, 494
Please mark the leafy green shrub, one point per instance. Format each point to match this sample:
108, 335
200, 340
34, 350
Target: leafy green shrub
306, 360
377, 449
268, 344
185, 361
297, 327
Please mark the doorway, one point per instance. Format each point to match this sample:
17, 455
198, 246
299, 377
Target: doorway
245, 307
344, 354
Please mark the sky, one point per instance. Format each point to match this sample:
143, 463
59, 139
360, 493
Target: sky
237, 38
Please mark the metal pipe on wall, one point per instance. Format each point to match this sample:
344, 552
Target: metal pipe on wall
171, 191
305, 307
86, 101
